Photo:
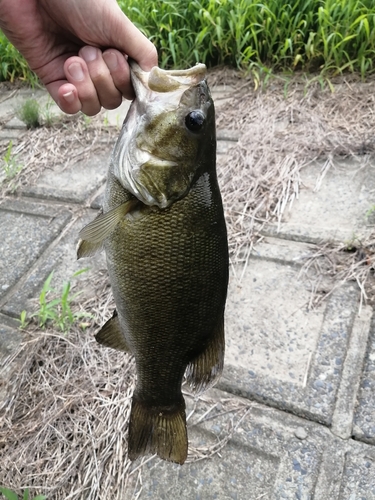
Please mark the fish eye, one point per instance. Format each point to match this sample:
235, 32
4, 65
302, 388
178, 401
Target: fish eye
194, 121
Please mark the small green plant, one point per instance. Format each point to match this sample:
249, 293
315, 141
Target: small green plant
370, 214
47, 113
29, 113
353, 244
23, 320
10, 163
87, 121
56, 310
12, 495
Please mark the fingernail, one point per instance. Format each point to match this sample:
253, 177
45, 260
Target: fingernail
76, 72
111, 60
89, 53
69, 97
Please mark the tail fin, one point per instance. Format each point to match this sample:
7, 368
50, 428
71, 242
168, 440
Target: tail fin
158, 430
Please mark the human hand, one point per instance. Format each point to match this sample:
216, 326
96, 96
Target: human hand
78, 49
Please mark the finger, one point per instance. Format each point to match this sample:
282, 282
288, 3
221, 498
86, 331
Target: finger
77, 74
109, 96
120, 72
65, 95
125, 36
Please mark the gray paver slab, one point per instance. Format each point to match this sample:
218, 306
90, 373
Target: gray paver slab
116, 117
342, 420
24, 236
10, 339
264, 458
364, 417
75, 182
15, 123
7, 134
337, 211
277, 349
61, 259
358, 481
11, 101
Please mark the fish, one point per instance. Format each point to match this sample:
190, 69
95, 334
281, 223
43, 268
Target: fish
163, 230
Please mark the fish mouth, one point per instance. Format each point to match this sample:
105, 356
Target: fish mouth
161, 80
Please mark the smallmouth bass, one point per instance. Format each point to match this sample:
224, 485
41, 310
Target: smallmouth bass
164, 235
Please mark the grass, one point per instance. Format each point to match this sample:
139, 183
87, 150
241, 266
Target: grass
325, 35
56, 311
12, 65
313, 35
12, 495
10, 163
29, 113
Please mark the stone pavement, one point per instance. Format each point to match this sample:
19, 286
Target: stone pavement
301, 381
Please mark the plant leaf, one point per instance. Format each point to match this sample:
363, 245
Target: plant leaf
9, 494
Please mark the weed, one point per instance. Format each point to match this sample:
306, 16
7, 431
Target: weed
23, 320
56, 310
86, 121
49, 117
12, 495
10, 163
353, 244
29, 113
370, 215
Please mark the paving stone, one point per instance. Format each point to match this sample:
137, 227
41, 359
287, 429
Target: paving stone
15, 123
74, 183
342, 420
277, 349
364, 417
224, 146
116, 117
7, 135
98, 200
10, 339
263, 458
337, 211
11, 101
221, 95
358, 482
26, 233
62, 259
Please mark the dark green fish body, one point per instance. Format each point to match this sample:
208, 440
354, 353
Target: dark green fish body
168, 267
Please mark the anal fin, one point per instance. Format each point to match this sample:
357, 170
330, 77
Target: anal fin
203, 371
110, 335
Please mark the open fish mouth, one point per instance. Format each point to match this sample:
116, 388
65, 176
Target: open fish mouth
161, 80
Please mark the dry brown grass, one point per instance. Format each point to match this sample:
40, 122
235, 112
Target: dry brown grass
63, 427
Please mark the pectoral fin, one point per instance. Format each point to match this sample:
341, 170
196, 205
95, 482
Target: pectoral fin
203, 371
110, 335
93, 235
